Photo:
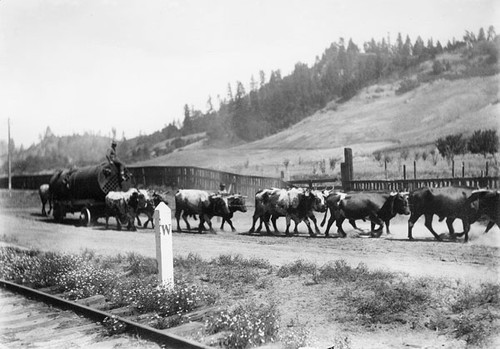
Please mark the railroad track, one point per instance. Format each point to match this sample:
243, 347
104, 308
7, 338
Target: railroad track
36, 319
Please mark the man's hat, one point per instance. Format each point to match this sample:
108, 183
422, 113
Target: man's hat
113, 142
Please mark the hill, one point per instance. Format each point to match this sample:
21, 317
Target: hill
376, 118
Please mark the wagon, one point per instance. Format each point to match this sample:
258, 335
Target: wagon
84, 190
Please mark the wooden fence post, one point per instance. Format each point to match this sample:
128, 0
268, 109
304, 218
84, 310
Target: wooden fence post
486, 170
404, 178
346, 170
463, 169
414, 169
452, 168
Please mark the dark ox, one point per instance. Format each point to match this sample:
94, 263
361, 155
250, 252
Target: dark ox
124, 206
152, 200
45, 197
201, 203
378, 208
488, 206
235, 203
295, 204
447, 202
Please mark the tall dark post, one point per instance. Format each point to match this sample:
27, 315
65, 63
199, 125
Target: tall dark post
346, 169
452, 168
405, 185
414, 170
463, 169
486, 170
385, 168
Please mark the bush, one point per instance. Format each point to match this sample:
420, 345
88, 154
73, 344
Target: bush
483, 142
341, 271
166, 302
438, 67
407, 85
382, 301
250, 325
475, 329
139, 265
298, 267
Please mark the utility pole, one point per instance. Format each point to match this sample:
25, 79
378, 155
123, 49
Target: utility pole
9, 158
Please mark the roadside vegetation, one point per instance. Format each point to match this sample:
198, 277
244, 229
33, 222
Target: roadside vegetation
246, 298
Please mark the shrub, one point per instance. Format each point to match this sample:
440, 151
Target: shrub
250, 325
298, 267
166, 302
467, 298
483, 142
407, 85
341, 271
381, 301
294, 338
438, 67
88, 280
475, 329
139, 265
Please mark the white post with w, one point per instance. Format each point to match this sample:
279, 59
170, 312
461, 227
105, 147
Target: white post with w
164, 252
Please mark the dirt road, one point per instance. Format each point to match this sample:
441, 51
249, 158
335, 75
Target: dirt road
475, 261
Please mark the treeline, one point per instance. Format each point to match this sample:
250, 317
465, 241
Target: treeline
277, 102
54, 152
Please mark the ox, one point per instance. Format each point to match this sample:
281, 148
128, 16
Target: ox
152, 200
488, 205
200, 202
295, 204
332, 201
124, 206
447, 202
235, 203
378, 208
45, 197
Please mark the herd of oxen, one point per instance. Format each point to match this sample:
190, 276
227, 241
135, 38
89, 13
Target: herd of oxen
299, 205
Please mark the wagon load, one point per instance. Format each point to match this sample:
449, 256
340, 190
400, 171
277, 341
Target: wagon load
84, 190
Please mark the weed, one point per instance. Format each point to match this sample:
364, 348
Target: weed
380, 301
250, 325
294, 338
339, 270
139, 265
298, 267
113, 326
467, 298
475, 329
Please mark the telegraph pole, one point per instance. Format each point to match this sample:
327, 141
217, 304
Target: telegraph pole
9, 158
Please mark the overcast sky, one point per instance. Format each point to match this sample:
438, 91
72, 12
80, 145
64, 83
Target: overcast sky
89, 65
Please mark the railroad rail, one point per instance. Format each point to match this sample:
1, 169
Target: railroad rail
11, 321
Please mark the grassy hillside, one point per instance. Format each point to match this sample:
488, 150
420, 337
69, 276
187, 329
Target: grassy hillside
374, 119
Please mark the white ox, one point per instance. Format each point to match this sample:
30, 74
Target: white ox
45, 197
124, 206
202, 203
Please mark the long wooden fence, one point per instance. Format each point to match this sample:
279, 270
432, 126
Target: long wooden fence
200, 178
173, 177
